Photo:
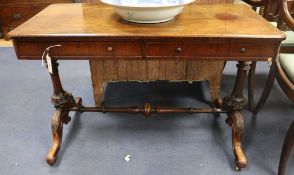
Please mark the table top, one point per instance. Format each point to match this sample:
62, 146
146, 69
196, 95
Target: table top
100, 20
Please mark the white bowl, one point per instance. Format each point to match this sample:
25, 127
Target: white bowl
148, 11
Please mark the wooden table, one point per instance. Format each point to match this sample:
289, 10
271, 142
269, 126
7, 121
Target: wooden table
226, 32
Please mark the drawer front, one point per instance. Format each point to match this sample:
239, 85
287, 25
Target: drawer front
86, 50
20, 13
150, 50
248, 50
187, 49
12, 17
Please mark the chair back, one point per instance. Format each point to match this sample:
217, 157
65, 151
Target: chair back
269, 9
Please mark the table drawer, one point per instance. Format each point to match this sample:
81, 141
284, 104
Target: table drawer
13, 16
34, 50
187, 49
249, 50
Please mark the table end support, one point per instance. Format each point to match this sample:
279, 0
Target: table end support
237, 122
63, 102
56, 125
233, 104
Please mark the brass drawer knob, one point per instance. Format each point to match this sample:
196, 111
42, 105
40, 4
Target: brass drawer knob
242, 50
178, 50
10, 28
16, 16
109, 49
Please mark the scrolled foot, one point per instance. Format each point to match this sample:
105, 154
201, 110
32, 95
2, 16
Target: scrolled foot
50, 159
56, 125
240, 159
237, 125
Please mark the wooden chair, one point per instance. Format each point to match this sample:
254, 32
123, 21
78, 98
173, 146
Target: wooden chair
271, 13
282, 70
284, 73
269, 9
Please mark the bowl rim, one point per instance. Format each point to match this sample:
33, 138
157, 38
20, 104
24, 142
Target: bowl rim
155, 6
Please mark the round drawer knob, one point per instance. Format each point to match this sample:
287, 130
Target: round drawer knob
178, 50
16, 16
242, 50
109, 49
10, 28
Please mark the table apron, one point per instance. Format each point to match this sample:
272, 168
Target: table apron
136, 50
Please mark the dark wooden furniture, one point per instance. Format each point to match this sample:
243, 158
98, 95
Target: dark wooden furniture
230, 32
279, 73
271, 13
15, 12
287, 85
269, 10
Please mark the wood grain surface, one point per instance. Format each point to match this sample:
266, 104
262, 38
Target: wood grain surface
222, 20
103, 71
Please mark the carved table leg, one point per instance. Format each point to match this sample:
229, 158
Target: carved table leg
56, 125
237, 124
234, 103
62, 101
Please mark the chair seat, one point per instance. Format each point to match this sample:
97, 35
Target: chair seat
287, 64
287, 60
289, 42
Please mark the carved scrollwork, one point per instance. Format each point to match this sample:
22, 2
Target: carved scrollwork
56, 121
233, 103
63, 100
237, 125
244, 65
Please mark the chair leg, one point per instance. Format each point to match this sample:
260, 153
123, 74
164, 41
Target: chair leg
287, 147
251, 77
267, 88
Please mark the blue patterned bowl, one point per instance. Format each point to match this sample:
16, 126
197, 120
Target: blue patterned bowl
148, 11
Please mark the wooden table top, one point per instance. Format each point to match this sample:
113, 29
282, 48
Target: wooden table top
100, 20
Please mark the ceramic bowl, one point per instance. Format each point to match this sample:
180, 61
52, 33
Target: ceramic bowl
148, 11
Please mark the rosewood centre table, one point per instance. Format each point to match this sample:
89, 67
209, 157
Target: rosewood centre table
226, 32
